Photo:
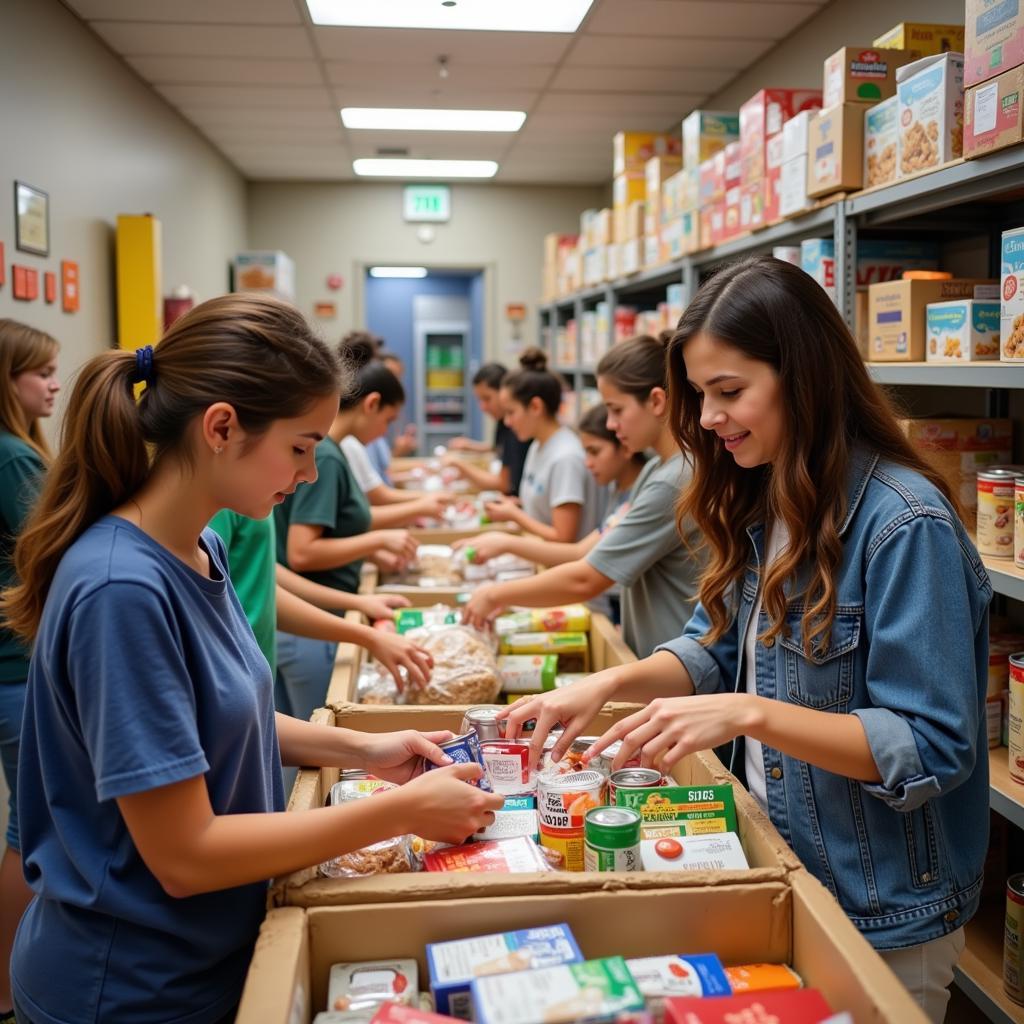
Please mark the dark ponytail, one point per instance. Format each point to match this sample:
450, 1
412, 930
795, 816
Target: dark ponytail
637, 366
254, 352
358, 352
534, 380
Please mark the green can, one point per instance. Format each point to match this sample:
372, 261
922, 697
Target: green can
611, 839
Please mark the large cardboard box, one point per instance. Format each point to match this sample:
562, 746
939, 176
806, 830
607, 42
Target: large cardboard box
705, 132
931, 112
795, 922
626, 190
793, 187
877, 260
922, 40
862, 74
993, 114
762, 117
835, 159
896, 315
881, 143
993, 39
633, 149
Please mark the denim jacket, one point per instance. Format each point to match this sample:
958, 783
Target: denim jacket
909, 656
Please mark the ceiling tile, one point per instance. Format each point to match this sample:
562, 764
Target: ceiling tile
227, 70
698, 18
637, 51
470, 99
295, 97
425, 76
431, 145
589, 128
258, 117
238, 135
683, 79
642, 104
240, 12
133, 38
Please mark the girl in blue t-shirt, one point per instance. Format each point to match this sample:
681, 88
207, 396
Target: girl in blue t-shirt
151, 754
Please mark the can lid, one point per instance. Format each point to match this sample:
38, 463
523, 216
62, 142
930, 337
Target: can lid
615, 827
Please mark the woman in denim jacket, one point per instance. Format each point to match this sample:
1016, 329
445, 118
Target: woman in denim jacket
841, 639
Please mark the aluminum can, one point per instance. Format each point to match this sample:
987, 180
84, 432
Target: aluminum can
611, 839
464, 749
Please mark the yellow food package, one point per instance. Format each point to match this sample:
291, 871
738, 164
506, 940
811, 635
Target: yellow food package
572, 649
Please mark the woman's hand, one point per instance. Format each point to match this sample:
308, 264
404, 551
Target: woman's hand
405, 443
669, 728
486, 545
395, 653
483, 607
400, 543
503, 511
442, 806
381, 606
398, 756
574, 707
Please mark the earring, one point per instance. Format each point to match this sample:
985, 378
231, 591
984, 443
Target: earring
217, 450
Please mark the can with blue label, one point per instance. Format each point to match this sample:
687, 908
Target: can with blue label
464, 749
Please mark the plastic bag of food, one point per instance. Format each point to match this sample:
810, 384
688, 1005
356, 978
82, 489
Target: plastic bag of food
465, 667
376, 685
388, 857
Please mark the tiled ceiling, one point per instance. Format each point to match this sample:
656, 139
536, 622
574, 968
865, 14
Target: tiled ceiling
265, 85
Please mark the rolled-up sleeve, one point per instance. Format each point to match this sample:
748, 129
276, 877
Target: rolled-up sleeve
711, 668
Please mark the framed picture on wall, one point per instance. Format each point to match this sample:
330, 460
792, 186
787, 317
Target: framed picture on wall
31, 219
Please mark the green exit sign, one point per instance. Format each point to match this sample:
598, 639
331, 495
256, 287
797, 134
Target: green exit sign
427, 203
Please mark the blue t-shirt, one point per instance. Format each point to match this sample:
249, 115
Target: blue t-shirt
379, 453
144, 673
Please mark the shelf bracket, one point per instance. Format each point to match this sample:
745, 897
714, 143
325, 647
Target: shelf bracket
845, 241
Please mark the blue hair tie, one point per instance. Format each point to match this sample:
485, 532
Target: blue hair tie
143, 365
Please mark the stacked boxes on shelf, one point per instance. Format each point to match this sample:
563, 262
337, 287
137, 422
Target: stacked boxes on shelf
931, 112
656, 172
559, 265
994, 77
792, 191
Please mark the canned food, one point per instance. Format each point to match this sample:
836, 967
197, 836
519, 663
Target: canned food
611, 839
563, 800
1013, 944
633, 778
1015, 716
572, 760
567, 842
1018, 523
482, 719
996, 490
508, 765
465, 750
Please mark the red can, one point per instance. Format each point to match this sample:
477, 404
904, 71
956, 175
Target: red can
508, 765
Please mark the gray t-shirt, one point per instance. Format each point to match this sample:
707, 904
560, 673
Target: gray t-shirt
645, 553
555, 474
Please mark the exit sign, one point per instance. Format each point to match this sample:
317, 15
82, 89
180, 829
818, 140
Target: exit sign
427, 203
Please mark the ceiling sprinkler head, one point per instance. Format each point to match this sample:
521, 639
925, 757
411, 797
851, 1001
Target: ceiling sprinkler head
442, 67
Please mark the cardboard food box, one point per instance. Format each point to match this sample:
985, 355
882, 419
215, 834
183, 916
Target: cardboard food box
795, 137
712, 179
992, 114
1011, 313
922, 40
652, 249
931, 112
961, 330
773, 154
993, 39
633, 149
835, 159
705, 132
793, 187
795, 922
877, 260
896, 315
881, 143
752, 205
657, 171
628, 188
689, 188
762, 117
632, 257
862, 74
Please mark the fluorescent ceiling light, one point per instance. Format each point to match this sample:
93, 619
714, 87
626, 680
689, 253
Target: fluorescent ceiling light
426, 120
405, 168
398, 271
480, 15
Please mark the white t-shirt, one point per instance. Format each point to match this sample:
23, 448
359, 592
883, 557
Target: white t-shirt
359, 460
555, 474
778, 541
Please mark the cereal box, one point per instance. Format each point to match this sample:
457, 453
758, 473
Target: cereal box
961, 330
453, 965
993, 38
992, 114
931, 112
1011, 314
793, 187
881, 142
705, 132
861, 74
762, 117
922, 40
773, 155
633, 149
835, 159
711, 182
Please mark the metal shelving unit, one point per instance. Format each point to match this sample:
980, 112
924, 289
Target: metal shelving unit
956, 375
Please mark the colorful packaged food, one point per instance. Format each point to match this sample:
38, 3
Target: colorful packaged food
611, 839
1011, 311
697, 810
531, 673
660, 977
762, 978
507, 763
996, 496
399, 1013
360, 986
931, 115
465, 670
694, 853
509, 857
517, 817
572, 649
572, 618
962, 330
1013, 939
463, 749
807, 1006
390, 856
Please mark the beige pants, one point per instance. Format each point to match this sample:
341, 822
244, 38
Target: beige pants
927, 971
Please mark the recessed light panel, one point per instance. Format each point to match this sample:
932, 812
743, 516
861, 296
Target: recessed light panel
412, 169
424, 119
476, 15
398, 271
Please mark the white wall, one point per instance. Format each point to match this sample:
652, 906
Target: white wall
797, 61
77, 123
336, 228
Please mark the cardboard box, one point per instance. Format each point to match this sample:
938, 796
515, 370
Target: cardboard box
632, 258
656, 171
993, 39
679, 237
931, 112
712, 179
705, 132
862, 74
922, 40
793, 187
896, 315
752, 205
733, 173
773, 922
795, 137
881, 143
633, 149
962, 330
992, 114
731, 224
877, 260
773, 179
763, 116
835, 159
1011, 313
689, 188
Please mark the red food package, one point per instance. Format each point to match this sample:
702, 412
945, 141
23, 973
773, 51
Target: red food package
397, 1013
508, 856
806, 1006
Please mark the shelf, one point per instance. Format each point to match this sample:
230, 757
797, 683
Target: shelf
990, 374
979, 974
441, 392
669, 273
445, 428
1006, 797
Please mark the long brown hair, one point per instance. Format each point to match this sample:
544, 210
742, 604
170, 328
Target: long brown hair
22, 348
773, 312
252, 351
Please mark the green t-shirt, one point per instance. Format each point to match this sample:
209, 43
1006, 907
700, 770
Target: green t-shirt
334, 501
252, 565
21, 473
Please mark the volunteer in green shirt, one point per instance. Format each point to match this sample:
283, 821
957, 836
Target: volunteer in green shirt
324, 528
28, 390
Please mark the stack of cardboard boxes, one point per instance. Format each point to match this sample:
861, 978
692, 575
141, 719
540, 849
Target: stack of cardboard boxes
993, 76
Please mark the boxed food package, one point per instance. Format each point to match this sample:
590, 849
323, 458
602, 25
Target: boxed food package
365, 985
773, 155
633, 149
556, 248
931, 112
993, 39
265, 271
628, 188
793, 187
881, 143
992, 114
699, 810
861, 74
505, 856
662, 977
572, 648
631, 258
762, 117
713, 852
1011, 313
657, 171
896, 315
795, 137
877, 260
712, 179
806, 1006
922, 40
689, 188
962, 330
752, 205
705, 132
632, 225
517, 818
762, 978
652, 250
679, 236
603, 228
835, 159
528, 673
731, 226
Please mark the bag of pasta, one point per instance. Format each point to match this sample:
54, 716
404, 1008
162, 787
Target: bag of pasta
388, 857
465, 667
